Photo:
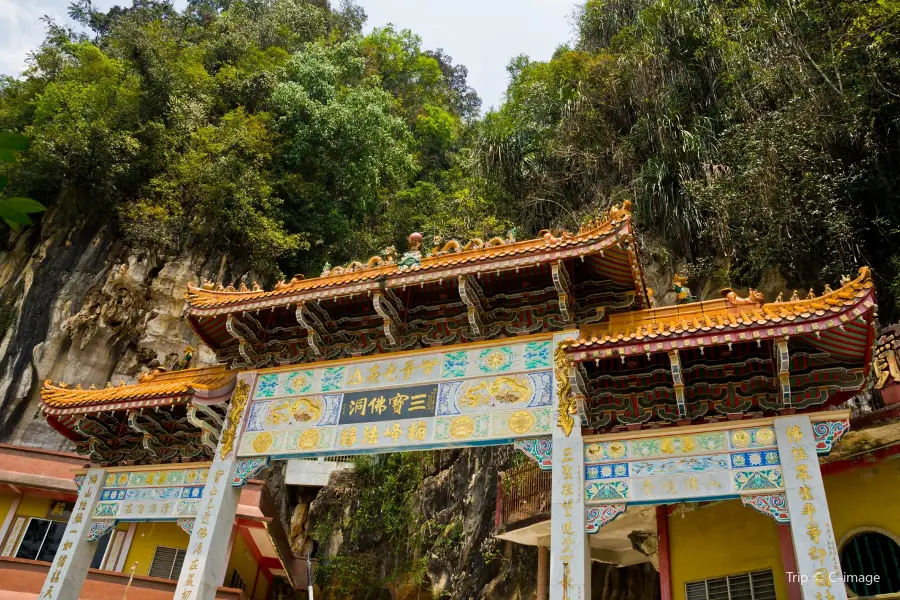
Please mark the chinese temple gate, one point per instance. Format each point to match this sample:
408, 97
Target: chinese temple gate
552, 344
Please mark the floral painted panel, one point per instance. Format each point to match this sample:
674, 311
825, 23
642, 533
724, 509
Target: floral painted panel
391, 371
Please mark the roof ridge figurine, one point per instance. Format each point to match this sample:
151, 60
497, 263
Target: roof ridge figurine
682, 291
413, 256
754, 298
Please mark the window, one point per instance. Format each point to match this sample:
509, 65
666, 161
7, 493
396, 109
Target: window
99, 553
759, 585
237, 581
167, 562
871, 564
41, 539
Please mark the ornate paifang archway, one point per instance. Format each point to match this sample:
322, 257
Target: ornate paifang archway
662, 391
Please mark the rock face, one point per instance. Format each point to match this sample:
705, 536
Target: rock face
78, 306
446, 550
456, 555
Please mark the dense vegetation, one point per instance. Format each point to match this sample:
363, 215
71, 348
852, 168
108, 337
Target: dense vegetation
753, 136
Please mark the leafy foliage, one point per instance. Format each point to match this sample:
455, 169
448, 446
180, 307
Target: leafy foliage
380, 544
752, 136
272, 131
14, 211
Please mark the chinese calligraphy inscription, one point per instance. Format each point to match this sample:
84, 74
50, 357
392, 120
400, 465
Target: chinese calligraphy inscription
814, 543
570, 555
70, 565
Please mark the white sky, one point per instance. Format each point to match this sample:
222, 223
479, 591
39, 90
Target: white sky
481, 34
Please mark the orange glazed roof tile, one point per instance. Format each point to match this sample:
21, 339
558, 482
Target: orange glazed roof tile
717, 317
150, 389
489, 256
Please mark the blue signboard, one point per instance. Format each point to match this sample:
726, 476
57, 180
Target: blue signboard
409, 402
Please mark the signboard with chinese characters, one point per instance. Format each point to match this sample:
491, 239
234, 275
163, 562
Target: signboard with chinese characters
466, 395
701, 465
389, 404
818, 564
148, 495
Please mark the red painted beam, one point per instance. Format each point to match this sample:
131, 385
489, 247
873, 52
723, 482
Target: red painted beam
665, 563
266, 563
499, 504
789, 561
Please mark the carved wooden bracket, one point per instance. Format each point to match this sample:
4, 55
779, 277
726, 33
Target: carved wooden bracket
474, 299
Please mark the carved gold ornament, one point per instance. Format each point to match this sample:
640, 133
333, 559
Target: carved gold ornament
764, 436
567, 406
740, 438
262, 442
885, 359
594, 452
238, 404
462, 428
506, 390
308, 440
667, 445
308, 409
616, 450
521, 422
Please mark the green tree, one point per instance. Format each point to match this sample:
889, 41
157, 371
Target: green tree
14, 211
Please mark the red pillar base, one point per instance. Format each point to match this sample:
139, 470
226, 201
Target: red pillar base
665, 567
543, 574
789, 561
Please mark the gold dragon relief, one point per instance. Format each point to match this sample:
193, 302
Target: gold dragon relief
567, 405
232, 420
298, 411
507, 390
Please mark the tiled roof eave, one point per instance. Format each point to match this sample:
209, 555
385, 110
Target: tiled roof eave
162, 388
583, 350
201, 304
80, 409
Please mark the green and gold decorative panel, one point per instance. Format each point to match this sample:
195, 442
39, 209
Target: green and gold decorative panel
147, 495
478, 395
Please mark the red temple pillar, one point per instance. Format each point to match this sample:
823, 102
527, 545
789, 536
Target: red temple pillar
543, 574
662, 532
789, 561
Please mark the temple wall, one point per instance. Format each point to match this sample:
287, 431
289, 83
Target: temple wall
6, 501
242, 560
729, 538
147, 537
34, 506
723, 539
865, 497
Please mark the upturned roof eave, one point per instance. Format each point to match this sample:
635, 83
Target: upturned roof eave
201, 302
781, 319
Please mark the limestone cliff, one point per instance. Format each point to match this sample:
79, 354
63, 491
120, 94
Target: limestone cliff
78, 306
438, 541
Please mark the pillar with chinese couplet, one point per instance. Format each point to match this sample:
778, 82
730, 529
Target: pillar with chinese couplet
206, 558
207, 552
76, 550
818, 564
570, 554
